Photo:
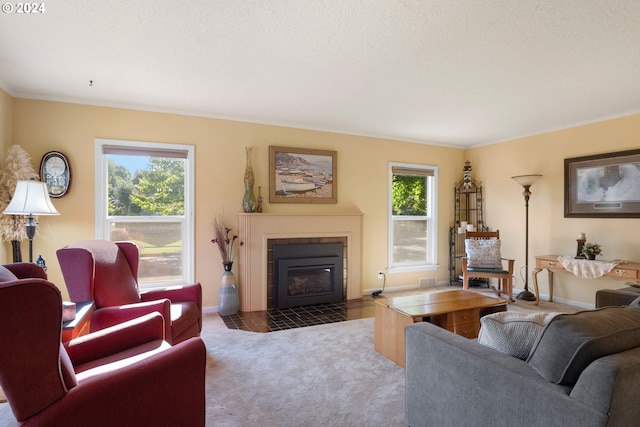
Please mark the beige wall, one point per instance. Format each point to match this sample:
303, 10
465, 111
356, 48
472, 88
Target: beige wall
41, 126
549, 231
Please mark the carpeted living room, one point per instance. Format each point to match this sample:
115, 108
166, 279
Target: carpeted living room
327, 374
347, 213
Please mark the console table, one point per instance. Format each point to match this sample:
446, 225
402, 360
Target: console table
624, 270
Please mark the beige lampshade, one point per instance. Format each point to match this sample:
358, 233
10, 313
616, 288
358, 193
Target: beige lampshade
31, 198
526, 180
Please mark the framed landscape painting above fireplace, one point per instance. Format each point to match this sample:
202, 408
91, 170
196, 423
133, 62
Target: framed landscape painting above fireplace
603, 185
300, 175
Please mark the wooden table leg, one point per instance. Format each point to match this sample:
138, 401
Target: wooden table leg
534, 276
388, 337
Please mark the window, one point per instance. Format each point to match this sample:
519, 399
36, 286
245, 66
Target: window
412, 217
144, 193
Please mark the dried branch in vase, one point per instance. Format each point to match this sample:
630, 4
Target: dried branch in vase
225, 241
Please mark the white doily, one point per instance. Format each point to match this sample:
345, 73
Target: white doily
585, 268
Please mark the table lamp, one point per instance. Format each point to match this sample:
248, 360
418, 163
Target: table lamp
31, 198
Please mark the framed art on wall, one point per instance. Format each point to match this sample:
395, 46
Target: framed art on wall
300, 175
603, 185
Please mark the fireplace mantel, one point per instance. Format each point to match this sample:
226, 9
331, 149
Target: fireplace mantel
255, 229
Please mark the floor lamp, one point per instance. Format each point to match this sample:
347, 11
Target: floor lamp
31, 198
526, 181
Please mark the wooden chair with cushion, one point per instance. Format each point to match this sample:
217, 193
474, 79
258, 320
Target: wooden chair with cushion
484, 261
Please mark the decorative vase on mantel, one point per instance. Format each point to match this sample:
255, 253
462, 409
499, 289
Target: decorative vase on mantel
228, 301
259, 204
249, 199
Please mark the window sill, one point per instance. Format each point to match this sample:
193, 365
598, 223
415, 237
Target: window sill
412, 268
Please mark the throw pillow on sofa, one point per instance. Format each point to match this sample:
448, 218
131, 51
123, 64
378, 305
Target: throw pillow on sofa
511, 332
570, 342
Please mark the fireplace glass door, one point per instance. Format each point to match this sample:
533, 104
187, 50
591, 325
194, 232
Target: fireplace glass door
301, 279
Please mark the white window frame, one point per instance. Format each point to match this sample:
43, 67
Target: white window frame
103, 220
431, 263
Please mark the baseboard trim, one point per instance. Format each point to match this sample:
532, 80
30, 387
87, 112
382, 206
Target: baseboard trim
544, 297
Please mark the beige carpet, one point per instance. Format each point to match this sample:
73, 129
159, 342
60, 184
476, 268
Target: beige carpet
326, 375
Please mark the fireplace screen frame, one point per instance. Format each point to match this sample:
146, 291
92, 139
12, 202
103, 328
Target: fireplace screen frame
334, 294
314, 256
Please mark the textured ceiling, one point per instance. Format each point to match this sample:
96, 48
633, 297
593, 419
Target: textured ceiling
459, 73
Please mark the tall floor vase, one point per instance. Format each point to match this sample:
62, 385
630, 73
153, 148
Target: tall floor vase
228, 301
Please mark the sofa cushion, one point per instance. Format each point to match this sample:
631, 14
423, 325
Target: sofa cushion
483, 253
6, 275
512, 332
570, 342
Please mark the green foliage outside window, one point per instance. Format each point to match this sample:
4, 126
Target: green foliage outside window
120, 188
408, 195
156, 190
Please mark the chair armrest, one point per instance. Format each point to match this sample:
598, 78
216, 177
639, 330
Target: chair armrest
175, 294
178, 294
603, 383
110, 316
26, 270
510, 263
616, 297
165, 389
115, 339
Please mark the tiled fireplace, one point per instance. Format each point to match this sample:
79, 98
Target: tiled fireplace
260, 232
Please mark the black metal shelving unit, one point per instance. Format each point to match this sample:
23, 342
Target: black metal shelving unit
468, 208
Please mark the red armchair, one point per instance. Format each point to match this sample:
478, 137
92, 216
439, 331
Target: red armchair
107, 273
126, 375
22, 270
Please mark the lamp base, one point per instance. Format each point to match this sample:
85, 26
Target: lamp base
526, 295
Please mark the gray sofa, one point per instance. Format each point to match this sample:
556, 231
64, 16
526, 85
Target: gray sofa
583, 370
615, 297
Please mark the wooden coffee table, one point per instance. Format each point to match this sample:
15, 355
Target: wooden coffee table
455, 310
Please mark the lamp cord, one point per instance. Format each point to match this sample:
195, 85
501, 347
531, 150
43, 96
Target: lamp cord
523, 277
377, 293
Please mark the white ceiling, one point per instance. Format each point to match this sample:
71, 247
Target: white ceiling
452, 72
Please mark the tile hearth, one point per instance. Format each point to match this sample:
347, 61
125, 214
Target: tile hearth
297, 317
